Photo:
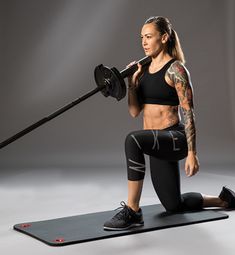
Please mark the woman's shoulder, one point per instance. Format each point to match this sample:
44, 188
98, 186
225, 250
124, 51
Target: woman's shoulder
178, 71
178, 67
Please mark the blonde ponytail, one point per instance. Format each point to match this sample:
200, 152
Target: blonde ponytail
174, 47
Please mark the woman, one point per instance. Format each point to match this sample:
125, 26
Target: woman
158, 90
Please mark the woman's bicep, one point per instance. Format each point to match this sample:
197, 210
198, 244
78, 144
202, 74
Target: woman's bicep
180, 76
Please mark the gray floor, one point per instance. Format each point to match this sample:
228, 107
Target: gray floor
31, 195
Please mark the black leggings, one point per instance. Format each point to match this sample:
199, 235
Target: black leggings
165, 148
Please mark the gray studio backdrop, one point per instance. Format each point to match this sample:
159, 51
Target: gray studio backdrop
49, 50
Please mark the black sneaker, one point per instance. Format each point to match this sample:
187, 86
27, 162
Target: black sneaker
228, 196
125, 219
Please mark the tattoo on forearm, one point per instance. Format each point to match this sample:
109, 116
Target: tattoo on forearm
179, 75
190, 129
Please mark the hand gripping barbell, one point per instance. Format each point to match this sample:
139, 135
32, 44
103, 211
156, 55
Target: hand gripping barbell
109, 81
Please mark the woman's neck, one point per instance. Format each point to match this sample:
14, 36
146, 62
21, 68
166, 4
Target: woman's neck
161, 58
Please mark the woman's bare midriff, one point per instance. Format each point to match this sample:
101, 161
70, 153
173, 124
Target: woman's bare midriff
160, 116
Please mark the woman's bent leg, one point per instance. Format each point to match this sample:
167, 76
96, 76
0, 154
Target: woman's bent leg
160, 143
166, 182
165, 176
136, 171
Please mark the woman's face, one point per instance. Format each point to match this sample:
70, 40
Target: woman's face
152, 41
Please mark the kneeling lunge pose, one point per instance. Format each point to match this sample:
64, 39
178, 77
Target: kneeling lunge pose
158, 90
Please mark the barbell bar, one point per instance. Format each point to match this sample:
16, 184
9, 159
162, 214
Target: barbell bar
109, 81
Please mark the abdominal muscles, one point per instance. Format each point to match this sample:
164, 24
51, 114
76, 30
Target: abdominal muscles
160, 116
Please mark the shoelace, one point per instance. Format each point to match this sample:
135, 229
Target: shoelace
124, 213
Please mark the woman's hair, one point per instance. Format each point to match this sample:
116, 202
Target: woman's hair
163, 25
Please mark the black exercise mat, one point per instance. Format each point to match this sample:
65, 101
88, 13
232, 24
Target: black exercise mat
89, 227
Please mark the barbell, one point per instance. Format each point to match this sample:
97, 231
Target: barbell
108, 80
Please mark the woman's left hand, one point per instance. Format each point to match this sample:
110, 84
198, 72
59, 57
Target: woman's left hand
191, 164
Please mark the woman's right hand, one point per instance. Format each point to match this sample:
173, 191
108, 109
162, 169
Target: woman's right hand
133, 80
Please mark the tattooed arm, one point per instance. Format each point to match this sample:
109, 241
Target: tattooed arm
179, 76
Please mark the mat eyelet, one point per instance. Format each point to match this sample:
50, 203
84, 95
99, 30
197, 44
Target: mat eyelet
25, 225
59, 240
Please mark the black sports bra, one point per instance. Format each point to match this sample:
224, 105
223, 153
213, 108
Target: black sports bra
153, 89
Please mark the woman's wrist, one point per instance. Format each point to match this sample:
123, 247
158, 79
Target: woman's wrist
193, 153
130, 87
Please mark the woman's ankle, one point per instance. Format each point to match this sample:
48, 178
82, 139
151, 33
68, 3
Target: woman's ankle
212, 201
134, 207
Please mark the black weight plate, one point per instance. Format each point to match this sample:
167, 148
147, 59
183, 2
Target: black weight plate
102, 77
119, 89
112, 79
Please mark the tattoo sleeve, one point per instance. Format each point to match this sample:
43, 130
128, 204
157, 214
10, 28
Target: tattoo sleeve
179, 75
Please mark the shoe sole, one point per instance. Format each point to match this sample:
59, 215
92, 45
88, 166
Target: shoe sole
126, 228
